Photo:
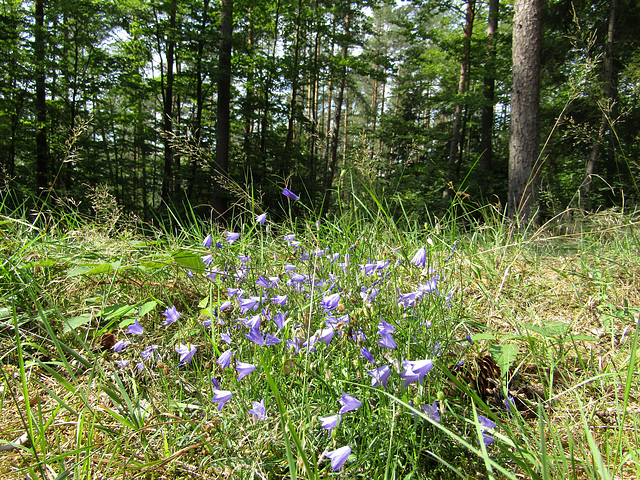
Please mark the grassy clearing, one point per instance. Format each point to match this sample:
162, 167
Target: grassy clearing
534, 334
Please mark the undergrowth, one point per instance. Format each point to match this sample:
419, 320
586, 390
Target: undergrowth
353, 346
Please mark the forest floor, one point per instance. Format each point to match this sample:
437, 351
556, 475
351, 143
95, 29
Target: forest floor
376, 351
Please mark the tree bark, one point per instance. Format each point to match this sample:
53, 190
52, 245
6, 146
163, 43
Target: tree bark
486, 122
462, 88
200, 76
585, 190
524, 143
223, 113
167, 108
286, 154
42, 145
333, 157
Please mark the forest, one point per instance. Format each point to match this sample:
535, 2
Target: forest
207, 105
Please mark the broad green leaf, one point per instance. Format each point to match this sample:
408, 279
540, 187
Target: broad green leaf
189, 260
75, 322
104, 268
504, 355
558, 329
126, 322
583, 338
552, 329
45, 262
116, 311
147, 307
482, 336
75, 271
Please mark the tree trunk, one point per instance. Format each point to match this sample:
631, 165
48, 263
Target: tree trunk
462, 88
524, 144
486, 128
200, 75
42, 145
223, 120
167, 108
335, 139
286, 154
606, 108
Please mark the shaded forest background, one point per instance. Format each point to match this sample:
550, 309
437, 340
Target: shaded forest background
200, 102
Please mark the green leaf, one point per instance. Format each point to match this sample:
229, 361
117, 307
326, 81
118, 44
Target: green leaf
583, 338
190, 261
75, 322
116, 311
552, 329
504, 355
75, 271
103, 268
147, 307
482, 336
126, 322
94, 269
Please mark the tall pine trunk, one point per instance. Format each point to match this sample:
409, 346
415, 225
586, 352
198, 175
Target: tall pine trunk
335, 138
167, 108
462, 88
42, 145
223, 114
524, 143
486, 123
606, 108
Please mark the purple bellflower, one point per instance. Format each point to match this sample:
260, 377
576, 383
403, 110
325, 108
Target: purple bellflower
279, 320
225, 359
295, 344
367, 355
289, 194
231, 237
270, 340
186, 353
258, 410
379, 376
338, 457
247, 304
207, 259
256, 337
261, 219
385, 328
244, 369
279, 300
120, 345
486, 424
206, 243
420, 257
221, 397
387, 341
330, 302
326, 335
348, 403
171, 315
135, 328
329, 423
432, 411
415, 370
147, 353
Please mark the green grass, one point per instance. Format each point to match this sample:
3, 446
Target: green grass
556, 312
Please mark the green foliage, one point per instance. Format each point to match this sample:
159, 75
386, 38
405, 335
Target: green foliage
547, 310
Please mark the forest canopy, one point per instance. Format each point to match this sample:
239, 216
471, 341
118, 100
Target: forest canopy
205, 103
